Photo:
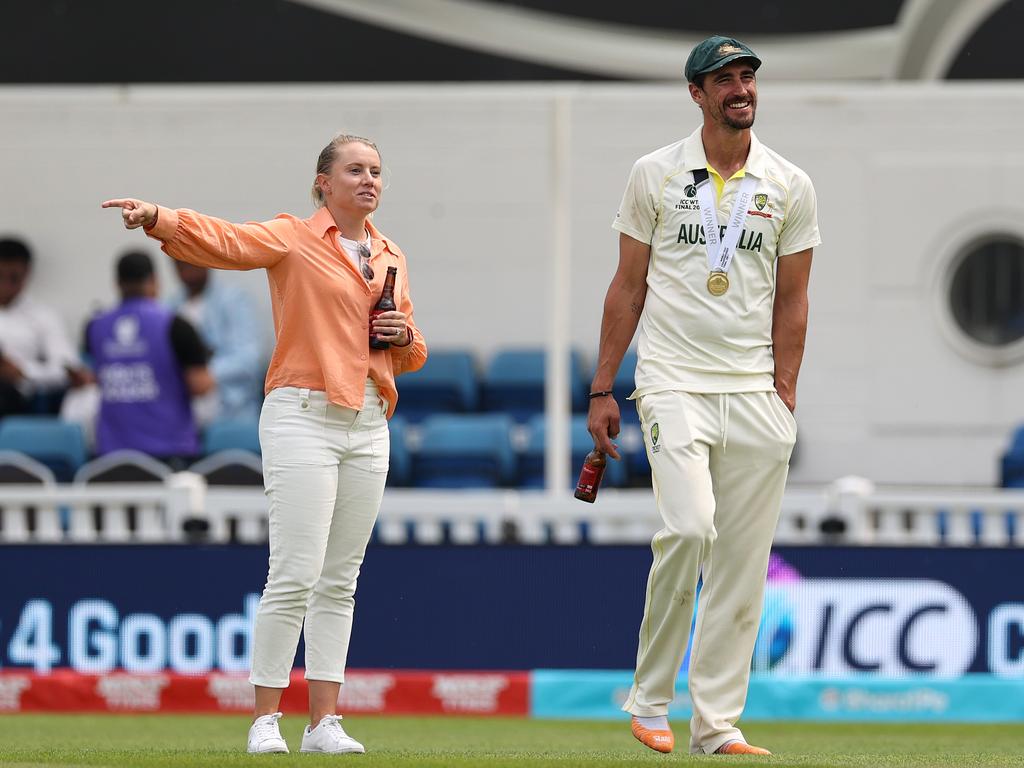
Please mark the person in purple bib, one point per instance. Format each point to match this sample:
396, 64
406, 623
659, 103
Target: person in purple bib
149, 363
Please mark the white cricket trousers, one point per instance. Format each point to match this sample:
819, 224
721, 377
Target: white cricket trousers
324, 468
719, 464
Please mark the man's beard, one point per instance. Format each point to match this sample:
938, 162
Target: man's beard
736, 123
739, 125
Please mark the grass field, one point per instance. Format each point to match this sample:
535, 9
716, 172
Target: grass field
218, 740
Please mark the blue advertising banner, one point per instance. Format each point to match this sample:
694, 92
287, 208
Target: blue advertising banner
830, 612
189, 608
834, 612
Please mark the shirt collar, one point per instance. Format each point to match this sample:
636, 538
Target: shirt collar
322, 222
757, 158
694, 157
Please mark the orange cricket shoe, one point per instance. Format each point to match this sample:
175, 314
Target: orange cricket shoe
740, 748
659, 741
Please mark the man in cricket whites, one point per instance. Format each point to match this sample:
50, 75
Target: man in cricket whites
715, 239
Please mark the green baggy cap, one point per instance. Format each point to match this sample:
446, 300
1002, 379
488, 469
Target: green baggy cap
714, 53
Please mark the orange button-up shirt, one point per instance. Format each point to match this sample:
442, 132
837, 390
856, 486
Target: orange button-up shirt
321, 302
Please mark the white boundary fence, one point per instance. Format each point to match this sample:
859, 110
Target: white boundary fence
182, 509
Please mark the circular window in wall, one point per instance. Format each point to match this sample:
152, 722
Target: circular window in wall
986, 295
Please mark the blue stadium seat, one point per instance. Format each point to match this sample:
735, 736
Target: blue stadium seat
531, 473
400, 464
226, 435
56, 444
445, 384
1012, 463
465, 451
1017, 441
514, 383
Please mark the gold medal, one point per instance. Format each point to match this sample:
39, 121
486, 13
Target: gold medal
718, 283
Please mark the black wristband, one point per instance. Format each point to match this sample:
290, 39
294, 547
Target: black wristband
605, 393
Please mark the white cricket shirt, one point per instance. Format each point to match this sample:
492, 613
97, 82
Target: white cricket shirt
690, 340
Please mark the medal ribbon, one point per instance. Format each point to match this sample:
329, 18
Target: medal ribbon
720, 252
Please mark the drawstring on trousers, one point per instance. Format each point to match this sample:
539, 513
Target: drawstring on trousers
723, 419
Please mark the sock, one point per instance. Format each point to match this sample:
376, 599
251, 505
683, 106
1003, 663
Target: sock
659, 723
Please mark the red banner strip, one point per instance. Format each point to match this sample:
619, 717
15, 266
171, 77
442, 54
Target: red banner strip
388, 692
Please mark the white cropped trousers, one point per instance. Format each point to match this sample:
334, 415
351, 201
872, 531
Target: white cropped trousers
324, 469
719, 464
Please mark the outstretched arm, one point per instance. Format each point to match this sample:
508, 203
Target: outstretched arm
205, 240
623, 306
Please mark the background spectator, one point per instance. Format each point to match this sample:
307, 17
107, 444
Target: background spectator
36, 356
148, 362
226, 320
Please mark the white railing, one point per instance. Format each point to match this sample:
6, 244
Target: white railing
182, 509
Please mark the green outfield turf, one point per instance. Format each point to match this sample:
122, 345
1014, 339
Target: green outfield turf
218, 740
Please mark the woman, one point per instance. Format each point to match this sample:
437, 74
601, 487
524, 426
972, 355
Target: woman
323, 428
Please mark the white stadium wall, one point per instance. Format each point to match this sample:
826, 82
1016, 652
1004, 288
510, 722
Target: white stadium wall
905, 175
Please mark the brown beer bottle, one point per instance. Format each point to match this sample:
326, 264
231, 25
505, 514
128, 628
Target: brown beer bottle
386, 303
590, 476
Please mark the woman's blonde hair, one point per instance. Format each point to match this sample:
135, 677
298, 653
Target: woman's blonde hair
326, 159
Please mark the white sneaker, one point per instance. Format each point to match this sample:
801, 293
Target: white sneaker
329, 736
265, 735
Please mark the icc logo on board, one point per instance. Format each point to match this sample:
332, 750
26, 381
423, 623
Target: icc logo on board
834, 627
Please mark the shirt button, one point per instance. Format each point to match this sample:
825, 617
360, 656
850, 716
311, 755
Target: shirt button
304, 405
